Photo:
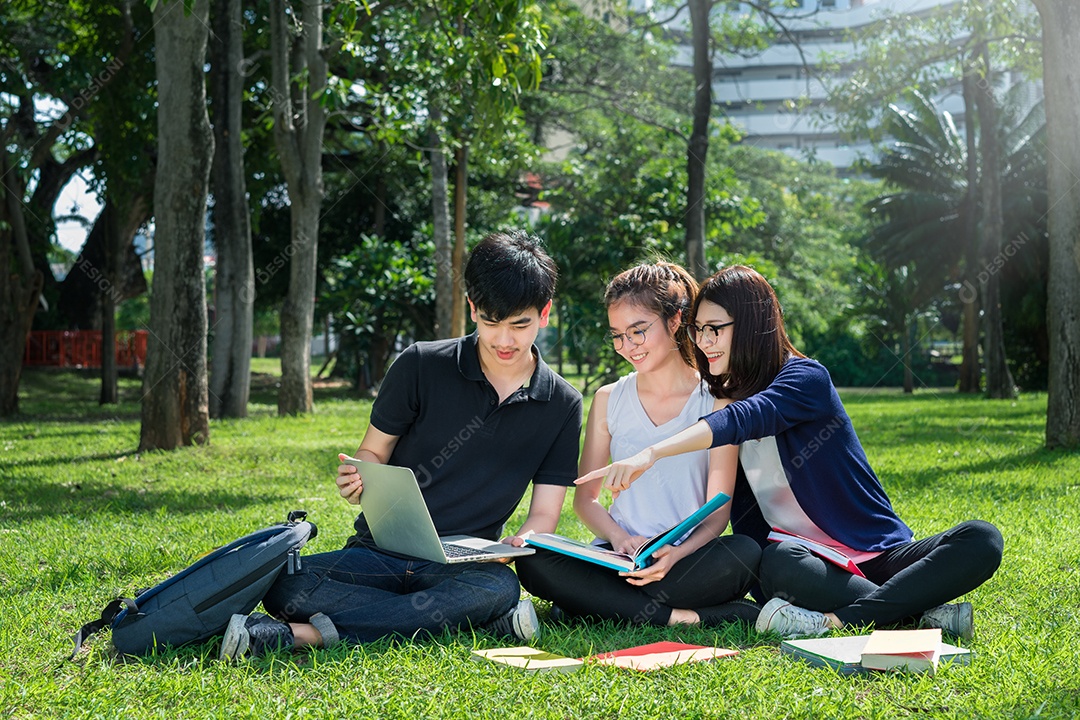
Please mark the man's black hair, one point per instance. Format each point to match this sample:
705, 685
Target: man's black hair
508, 273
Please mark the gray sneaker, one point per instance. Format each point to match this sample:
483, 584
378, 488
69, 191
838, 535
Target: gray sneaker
956, 619
519, 621
254, 635
781, 617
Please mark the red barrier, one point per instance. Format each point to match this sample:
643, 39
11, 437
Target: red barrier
82, 348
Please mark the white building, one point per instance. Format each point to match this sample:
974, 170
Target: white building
778, 96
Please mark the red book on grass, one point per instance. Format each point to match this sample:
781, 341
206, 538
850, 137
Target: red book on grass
822, 551
660, 655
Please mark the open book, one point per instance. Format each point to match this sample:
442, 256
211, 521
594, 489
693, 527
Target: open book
845, 654
621, 561
822, 551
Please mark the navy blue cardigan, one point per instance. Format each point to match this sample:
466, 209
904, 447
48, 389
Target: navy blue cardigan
821, 455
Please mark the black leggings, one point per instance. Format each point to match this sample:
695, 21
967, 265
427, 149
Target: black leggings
722, 570
900, 583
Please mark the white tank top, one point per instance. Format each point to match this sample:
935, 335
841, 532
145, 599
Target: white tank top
674, 487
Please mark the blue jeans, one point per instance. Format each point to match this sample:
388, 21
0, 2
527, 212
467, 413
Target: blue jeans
369, 595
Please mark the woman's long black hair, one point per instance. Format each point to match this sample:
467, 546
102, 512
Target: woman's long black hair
759, 342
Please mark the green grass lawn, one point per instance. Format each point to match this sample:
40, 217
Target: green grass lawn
84, 518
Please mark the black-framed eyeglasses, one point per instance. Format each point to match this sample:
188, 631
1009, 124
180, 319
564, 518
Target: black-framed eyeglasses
707, 333
636, 336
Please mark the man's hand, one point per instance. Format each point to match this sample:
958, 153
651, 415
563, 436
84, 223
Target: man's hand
349, 482
513, 540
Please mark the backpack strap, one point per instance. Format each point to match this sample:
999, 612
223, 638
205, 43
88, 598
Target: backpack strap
107, 616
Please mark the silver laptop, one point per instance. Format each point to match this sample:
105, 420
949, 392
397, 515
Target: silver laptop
400, 522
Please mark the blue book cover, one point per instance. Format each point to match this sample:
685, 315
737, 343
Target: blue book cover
622, 561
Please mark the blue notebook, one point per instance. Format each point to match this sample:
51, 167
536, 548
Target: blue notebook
621, 561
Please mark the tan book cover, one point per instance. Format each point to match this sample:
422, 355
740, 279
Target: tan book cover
528, 659
911, 650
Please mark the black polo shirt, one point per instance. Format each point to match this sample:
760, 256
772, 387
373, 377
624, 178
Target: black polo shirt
474, 458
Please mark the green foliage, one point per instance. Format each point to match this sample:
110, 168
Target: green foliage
615, 203
378, 292
927, 52
808, 222
86, 518
921, 222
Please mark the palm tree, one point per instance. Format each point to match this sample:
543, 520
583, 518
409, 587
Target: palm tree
928, 221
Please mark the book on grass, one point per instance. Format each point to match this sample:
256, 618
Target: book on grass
910, 650
844, 654
822, 551
622, 561
660, 655
528, 659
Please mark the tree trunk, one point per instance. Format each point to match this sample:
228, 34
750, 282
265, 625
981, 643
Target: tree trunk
440, 222
970, 369
905, 349
230, 371
1061, 47
461, 179
298, 310
698, 148
299, 121
999, 381
109, 379
18, 301
20, 288
81, 290
19, 293
174, 406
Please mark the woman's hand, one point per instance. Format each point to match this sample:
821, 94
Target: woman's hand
663, 560
349, 482
619, 475
629, 544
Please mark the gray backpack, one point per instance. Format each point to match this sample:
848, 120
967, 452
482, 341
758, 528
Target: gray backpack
196, 603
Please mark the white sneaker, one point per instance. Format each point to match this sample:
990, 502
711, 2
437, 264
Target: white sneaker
520, 622
781, 617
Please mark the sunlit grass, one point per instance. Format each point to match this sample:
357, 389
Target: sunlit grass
85, 518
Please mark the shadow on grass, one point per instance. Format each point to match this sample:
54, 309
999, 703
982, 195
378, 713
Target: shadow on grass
31, 499
69, 395
991, 484
579, 638
57, 460
264, 390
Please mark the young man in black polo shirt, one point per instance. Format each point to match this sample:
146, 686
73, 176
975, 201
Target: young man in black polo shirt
476, 418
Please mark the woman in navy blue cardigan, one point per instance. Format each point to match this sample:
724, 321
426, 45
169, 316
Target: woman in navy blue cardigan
849, 559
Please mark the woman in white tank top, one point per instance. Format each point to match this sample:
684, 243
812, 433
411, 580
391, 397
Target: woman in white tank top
661, 397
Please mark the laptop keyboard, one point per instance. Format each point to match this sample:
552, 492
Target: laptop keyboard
453, 551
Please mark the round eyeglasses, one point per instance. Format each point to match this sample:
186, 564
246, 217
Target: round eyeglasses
707, 333
636, 336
